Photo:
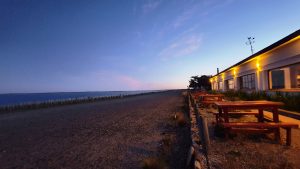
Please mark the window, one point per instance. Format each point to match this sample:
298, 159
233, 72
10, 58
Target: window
277, 79
298, 80
285, 77
247, 81
295, 75
229, 84
215, 86
220, 87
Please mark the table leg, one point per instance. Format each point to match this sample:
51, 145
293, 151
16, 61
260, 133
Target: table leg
260, 115
225, 114
220, 110
217, 118
277, 135
288, 136
276, 120
220, 114
275, 115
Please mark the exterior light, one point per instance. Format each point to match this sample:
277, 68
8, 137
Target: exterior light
234, 72
211, 80
257, 65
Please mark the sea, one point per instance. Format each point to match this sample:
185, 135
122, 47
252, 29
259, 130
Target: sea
32, 98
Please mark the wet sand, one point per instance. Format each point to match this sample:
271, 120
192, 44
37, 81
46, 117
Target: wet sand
116, 133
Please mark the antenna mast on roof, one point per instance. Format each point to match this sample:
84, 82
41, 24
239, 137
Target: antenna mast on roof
250, 42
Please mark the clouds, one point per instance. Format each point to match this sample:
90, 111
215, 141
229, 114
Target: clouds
187, 14
198, 10
150, 6
181, 47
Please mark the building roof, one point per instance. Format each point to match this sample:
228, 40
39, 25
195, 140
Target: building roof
272, 46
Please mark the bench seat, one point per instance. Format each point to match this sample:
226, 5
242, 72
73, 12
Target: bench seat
238, 113
234, 114
259, 125
262, 127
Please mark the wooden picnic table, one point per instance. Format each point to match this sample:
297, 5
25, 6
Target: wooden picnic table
225, 106
211, 97
197, 94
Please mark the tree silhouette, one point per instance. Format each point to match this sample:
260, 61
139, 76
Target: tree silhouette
200, 82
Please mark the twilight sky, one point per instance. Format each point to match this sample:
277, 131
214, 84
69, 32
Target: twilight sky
95, 45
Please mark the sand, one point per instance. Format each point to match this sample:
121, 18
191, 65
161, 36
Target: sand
117, 133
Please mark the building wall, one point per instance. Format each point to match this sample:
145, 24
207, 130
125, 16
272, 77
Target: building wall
280, 58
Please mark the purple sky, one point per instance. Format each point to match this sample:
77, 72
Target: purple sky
67, 45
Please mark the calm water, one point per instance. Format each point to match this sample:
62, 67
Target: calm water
23, 98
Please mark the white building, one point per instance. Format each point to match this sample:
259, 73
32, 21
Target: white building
276, 67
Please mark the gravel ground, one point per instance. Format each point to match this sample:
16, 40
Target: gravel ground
116, 133
252, 151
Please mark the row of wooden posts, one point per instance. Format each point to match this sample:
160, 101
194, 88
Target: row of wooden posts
70, 101
199, 135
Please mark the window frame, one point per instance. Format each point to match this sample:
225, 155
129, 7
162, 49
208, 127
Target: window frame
247, 82
227, 84
283, 67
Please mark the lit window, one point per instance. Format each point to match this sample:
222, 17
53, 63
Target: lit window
247, 81
298, 80
220, 86
277, 79
295, 75
229, 84
215, 86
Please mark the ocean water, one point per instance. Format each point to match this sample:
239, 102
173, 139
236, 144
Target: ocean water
27, 98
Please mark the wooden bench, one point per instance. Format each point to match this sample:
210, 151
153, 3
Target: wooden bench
234, 114
197, 95
207, 99
262, 127
206, 103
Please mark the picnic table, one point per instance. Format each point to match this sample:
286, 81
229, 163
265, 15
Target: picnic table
197, 94
226, 107
211, 97
208, 99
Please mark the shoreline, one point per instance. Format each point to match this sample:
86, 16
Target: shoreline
55, 103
